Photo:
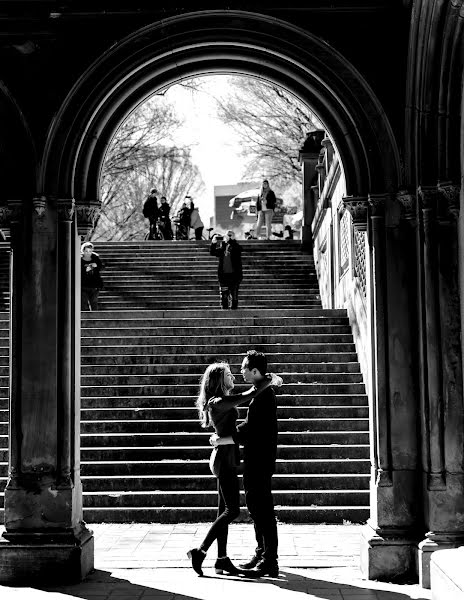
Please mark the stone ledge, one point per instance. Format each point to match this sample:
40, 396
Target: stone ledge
447, 574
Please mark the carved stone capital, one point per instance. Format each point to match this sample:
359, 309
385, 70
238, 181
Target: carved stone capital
357, 206
408, 204
65, 208
39, 204
428, 195
377, 204
450, 195
86, 214
15, 211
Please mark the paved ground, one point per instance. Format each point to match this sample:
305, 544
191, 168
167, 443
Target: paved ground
139, 561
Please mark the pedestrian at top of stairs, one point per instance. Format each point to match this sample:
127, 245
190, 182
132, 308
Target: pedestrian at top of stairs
91, 281
217, 408
230, 271
150, 211
195, 221
265, 205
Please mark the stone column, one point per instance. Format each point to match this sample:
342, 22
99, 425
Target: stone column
45, 538
443, 412
308, 157
387, 548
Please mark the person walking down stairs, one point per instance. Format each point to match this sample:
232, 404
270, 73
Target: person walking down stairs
230, 272
91, 281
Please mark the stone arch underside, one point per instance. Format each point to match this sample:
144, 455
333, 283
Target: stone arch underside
218, 42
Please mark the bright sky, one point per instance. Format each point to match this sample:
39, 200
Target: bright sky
215, 148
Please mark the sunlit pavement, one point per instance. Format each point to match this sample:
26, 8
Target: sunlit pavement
149, 561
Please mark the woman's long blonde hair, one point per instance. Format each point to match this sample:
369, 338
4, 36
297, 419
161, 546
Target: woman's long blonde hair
212, 385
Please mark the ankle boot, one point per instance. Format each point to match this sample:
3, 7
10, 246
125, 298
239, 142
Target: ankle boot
197, 557
225, 565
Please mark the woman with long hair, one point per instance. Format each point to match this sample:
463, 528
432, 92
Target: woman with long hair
265, 205
217, 408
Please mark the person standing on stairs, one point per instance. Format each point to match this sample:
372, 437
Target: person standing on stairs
230, 271
265, 205
217, 408
150, 211
91, 281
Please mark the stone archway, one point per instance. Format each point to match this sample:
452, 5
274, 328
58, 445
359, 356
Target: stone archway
150, 59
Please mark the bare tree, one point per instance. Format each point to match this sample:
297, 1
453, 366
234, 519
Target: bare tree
138, 158
272, 124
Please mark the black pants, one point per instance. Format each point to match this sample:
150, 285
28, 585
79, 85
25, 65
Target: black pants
260, 504
228, 288
198, 233
228, 511
89, 298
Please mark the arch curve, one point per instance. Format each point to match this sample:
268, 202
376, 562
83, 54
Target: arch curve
201, 43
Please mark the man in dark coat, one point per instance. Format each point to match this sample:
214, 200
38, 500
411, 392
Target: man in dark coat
150, 211
230, 273
258, 435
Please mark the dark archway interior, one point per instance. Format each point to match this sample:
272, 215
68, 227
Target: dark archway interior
186, 46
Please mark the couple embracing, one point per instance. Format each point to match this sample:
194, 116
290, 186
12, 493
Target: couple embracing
258, 435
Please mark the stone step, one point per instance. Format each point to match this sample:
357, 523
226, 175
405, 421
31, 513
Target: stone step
141, 304
173, 427
355, 466
192, 389
225, 349
140, 483
240, 313
93, 358
169, 401
284, 514
207, 482
154, 498
176, 379
196, 370
204, 332
342, 452
225, 320
181, 439
190, 412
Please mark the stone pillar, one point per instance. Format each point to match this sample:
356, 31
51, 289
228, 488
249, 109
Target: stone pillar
442, 420
45, 537
387, 548
308, 157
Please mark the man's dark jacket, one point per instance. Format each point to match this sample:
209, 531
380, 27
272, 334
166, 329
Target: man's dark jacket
258, 433
150, 207
235, 255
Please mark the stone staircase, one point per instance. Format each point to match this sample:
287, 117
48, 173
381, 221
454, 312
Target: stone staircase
144, 456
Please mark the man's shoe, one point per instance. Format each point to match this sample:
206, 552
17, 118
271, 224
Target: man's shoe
251, 564
197, 557
266, 567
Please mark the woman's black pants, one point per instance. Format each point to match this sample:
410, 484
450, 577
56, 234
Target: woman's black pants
228, 510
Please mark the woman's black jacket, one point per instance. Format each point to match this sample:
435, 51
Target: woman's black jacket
271, 200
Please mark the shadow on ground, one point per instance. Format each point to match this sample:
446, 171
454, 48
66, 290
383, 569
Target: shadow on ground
183, 584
